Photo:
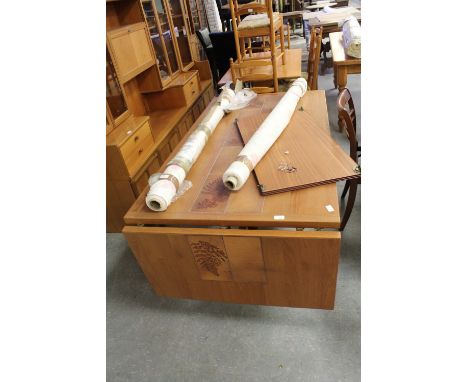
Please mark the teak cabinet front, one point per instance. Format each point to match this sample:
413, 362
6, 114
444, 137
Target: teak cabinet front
131, 50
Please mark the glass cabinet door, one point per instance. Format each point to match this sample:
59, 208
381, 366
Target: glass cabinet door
194, 17
180, 31
114, 95
166, 34
158, 43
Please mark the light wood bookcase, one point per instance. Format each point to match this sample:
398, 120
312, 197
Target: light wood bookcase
155, 90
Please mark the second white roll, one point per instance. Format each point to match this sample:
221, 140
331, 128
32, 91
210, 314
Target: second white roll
269, 131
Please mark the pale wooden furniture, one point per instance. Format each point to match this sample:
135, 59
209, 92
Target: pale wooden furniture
347, 116
154, 92
314, 58
217, 257
291, 70
130, 48
329, 22
255, 71
342, 63
293, 15
259, 21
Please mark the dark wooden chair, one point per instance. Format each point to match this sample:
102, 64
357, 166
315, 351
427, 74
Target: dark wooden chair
224, 15
224, 48
347, 116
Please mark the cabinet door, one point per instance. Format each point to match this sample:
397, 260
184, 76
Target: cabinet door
174, 139
162, 58
140, 184
117, 109
131, 50
164, 151
154, 165
167, 37
181, 32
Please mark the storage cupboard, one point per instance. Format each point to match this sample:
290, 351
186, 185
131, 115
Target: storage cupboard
155, 91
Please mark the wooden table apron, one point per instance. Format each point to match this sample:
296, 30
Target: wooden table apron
214, 244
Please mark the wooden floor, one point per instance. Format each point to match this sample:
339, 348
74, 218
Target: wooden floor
292, 68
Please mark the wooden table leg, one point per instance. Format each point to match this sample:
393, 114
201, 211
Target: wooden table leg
341, 76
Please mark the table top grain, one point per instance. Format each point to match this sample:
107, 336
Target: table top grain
209, 203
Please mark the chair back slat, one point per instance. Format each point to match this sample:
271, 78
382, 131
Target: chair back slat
314, 58
347, 114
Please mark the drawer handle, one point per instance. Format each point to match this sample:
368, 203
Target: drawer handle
136, 138
140, 151
191, 82
193, 91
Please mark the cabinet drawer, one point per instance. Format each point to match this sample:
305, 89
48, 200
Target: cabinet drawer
191, 89
136, 146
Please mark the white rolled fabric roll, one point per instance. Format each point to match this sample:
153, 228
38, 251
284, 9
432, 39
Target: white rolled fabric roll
352, 37
269, 131
164, 186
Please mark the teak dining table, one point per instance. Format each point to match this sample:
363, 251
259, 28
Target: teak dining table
342, 63
239, 246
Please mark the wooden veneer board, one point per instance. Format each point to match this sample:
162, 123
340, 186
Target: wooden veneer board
312, 152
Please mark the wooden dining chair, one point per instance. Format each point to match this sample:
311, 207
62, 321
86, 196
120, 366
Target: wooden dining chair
314, 58
347, 116
256, 73
257, 19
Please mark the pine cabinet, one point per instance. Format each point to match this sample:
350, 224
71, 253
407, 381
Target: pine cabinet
131, 50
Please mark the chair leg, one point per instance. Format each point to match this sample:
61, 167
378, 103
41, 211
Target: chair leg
350, 204
283, 57
273, 59
345, 190
242, 46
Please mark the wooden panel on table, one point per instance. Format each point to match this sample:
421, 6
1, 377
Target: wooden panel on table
303, 156
246, 207
296, 269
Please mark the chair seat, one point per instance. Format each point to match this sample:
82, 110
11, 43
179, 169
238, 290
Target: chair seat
258, 21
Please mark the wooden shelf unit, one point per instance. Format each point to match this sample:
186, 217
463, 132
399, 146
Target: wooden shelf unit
146, 117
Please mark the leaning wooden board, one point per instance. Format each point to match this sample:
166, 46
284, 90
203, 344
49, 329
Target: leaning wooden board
303, 156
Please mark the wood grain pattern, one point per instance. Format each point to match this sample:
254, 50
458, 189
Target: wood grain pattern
297, 269
246, 259
246, 207
303, 156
